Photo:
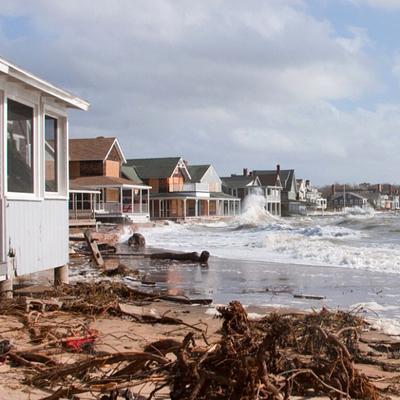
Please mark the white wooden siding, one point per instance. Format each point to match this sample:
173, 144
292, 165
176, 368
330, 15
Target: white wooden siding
38, 233
211, 177
2, 232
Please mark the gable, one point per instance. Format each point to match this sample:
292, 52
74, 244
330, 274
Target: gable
113, 155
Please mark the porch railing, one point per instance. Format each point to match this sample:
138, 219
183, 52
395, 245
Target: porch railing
115, 208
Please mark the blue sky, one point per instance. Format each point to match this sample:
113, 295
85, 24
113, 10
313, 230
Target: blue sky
311, 85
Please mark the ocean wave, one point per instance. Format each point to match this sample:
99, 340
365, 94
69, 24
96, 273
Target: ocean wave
305, 241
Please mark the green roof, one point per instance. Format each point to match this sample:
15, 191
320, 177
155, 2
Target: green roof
159, 168
197, 172
129, 172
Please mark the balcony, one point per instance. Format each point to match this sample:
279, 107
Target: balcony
191, 187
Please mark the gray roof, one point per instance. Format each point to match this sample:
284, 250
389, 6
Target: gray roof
238, 181
158, 168
268, 177
129, 172
197, 172
340, 194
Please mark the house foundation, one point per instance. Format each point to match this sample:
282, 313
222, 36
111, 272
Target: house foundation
61, 275
6, 289
6, 286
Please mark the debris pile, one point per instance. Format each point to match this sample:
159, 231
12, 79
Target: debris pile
273, 358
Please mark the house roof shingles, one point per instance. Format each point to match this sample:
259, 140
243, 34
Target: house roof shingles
129, 172
90, 149
157, 168
100, 180
268, 177
238, 181
197, 172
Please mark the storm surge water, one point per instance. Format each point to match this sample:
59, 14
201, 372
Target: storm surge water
346, 259
355, 239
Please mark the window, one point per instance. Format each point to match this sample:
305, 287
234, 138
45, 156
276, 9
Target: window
20, 147
51, 153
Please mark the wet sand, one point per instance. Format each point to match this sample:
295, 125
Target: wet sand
273, 284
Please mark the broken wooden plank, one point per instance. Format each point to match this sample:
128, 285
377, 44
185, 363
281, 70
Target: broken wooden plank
98, 259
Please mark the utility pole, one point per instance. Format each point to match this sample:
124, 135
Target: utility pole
344, 197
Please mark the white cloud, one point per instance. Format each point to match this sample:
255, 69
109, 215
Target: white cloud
228, 82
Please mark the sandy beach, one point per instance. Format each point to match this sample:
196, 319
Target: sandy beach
27, 327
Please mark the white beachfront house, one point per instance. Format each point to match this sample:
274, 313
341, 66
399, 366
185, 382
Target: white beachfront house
33, 174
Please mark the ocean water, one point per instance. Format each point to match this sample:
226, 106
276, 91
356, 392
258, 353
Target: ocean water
351, 259
357, 239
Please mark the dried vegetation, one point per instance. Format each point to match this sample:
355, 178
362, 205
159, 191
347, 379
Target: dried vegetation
273, 358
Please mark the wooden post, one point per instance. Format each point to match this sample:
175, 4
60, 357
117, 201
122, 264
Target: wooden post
61, 275
140, 201
6, 286
6, 289
121, 200
184, 208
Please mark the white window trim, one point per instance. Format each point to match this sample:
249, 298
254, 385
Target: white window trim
35, 196
62, 191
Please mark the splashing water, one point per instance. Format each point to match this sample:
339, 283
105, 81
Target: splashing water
367, 212
127, 232
254, 212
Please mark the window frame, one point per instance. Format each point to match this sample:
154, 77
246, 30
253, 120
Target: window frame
62, 152
35, 195
57, 157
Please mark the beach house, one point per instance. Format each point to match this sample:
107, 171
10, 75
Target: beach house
180, 191
283, 181
95, 166
242, 186
33, 174
310, 195
340, 200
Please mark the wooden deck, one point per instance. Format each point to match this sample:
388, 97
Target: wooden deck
82, 222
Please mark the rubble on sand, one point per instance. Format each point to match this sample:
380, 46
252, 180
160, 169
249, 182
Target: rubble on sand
274, 358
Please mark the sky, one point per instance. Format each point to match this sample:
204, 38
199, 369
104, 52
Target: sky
312, 85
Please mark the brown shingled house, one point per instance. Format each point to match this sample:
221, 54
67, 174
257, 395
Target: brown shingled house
95, 165
182, 191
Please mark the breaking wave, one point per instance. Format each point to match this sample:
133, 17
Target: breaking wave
254, 212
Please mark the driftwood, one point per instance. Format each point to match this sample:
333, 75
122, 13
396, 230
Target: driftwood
194, 256
190, 257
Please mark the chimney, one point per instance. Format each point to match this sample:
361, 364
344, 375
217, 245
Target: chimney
307, 183
390, 190
333, 189
278, 169
380, 188
245, 172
